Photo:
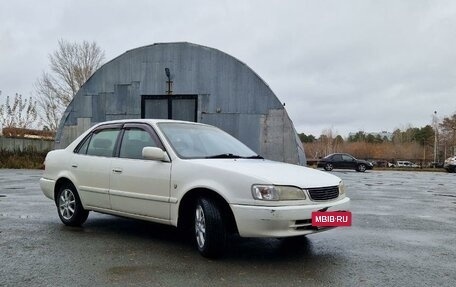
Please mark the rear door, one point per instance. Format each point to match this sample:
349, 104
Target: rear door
337, 161
139, 186
91, 164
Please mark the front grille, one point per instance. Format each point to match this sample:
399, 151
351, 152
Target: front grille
324, 193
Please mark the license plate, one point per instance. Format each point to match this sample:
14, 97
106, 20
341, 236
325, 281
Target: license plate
331, 218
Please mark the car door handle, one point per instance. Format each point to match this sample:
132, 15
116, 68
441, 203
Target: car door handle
117, 170
74, 165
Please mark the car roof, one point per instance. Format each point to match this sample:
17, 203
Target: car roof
339, 153
148, 121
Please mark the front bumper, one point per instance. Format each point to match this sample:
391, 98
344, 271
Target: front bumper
281, 221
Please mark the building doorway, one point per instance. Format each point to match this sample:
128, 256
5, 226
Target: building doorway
175, 107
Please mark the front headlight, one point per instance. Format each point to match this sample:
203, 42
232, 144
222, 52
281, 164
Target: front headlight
277, 192
341, 188
290, 193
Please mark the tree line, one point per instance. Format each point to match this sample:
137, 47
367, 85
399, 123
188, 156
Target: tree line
416, 144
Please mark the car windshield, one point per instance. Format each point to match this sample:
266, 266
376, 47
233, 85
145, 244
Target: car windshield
199, 141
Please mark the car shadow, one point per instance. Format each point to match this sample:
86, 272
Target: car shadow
168, 237
272, 249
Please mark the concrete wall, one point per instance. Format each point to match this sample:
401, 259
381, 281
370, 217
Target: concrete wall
14, 144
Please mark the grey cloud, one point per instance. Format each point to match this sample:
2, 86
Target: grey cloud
346, 65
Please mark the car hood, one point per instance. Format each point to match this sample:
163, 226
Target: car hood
272, 172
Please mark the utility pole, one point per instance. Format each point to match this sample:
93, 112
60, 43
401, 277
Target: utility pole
434, 121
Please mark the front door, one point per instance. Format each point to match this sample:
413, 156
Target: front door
348, 162
140, 186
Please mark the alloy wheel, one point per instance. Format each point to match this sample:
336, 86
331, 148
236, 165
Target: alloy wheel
67, 204
200, 227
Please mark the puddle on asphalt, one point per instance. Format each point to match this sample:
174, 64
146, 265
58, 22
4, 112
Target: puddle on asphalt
121, 271
447, 195
373, 184
16, 216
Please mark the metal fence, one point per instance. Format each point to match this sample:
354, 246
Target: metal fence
22, 144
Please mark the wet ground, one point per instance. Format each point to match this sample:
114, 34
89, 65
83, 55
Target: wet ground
403, 234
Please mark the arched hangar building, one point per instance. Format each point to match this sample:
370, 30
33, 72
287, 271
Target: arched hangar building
189, 82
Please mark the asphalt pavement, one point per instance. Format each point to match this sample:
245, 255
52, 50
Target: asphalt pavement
403, 234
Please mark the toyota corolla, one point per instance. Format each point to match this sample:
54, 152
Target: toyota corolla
188, 175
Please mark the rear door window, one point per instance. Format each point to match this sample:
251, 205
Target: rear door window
337, 157
103, 143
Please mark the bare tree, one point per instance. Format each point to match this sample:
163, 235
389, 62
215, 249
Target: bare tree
50, 104
71, 65
448, 126
21, 113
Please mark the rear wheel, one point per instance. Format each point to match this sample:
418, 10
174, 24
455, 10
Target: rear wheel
69, 206
361, 168
210, 230
328, 166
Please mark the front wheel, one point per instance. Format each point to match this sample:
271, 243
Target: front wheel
210, 230
361, 168
69, 206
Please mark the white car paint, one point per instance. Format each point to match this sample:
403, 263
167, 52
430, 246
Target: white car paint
153, 190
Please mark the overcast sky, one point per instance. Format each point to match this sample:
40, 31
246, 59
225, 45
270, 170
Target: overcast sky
340, 65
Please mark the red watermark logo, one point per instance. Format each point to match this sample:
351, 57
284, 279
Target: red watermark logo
331, 218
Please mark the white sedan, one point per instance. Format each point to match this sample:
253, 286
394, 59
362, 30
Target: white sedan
190, 175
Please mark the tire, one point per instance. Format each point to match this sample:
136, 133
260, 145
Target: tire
361, 168
69, 206
328, 167
210, 230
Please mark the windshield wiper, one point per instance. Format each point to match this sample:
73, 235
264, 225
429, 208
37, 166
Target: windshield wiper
254, 157
224, 155
230, 155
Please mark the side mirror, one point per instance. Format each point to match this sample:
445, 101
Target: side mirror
154, 153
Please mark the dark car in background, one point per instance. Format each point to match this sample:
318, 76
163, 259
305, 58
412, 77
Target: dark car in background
343, 161
450, 164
